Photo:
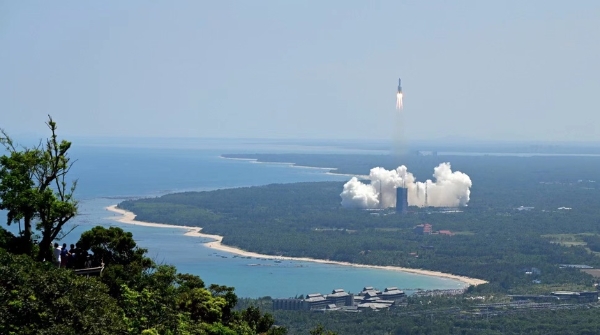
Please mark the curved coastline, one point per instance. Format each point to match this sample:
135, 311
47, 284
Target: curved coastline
129, 218
328, 170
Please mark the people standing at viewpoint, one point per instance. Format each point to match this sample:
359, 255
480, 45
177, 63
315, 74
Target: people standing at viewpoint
82, 255
72, 256
64, 256
57, 252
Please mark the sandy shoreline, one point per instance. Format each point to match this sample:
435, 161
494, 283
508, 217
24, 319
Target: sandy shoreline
329, 171
294, 165
129, 218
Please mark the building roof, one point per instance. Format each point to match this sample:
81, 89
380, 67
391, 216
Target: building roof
395, 291
370, 290
371, 293
338, 294
576, 266
373, 305
425, 228
314, 298
565, 293
372, 299
387, 302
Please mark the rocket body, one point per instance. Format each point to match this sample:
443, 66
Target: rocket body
399, 85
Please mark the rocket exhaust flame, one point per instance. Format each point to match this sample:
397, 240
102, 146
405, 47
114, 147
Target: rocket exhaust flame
399, 102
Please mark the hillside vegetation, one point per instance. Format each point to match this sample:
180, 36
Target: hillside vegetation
41, 291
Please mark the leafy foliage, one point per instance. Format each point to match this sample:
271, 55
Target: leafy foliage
157, 298
33, 189
401, 321
112, 246
38, 298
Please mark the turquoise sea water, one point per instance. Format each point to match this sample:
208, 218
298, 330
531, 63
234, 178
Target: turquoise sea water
109, 173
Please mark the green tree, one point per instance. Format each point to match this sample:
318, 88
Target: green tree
320, 330
37, 298
113, 246
227, 293
125, 262
260, 323
17, 190
33, 188
202, 305
155, 298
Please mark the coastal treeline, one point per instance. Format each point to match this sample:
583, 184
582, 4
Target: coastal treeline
437, 321
505, 236
492, 315
133, 294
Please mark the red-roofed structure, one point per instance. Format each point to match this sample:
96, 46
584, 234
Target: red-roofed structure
423, 229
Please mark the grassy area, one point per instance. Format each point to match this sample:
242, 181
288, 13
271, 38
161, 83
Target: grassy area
465, 233
547, 288
566, 240
594, 272
569, 240
389, 229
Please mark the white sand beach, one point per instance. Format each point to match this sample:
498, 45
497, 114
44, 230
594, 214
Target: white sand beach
329, 171
129, 218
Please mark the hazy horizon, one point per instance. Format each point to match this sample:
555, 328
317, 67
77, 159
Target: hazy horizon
471, 71
330, 146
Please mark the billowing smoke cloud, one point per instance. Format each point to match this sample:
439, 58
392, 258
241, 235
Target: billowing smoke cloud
450, 189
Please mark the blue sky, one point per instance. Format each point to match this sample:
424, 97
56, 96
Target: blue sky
486, 70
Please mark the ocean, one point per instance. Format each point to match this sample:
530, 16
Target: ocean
109, 172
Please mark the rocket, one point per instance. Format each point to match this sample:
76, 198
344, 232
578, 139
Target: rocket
399, 95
